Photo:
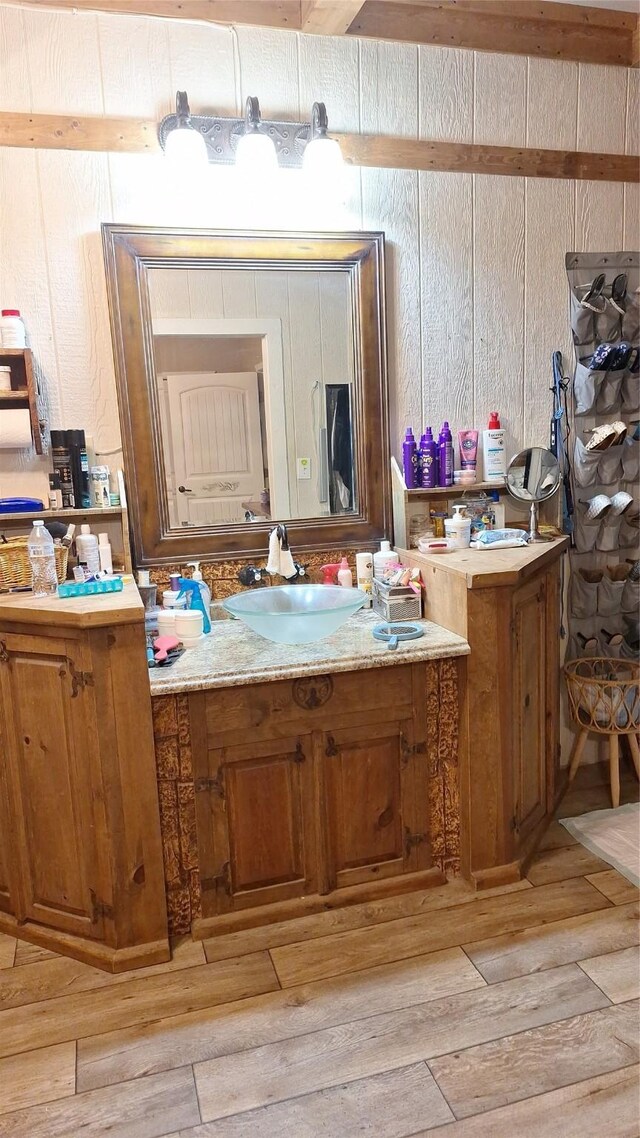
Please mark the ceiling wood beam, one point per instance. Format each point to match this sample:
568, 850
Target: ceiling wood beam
283, 14
328, 17
66, 132
517, 27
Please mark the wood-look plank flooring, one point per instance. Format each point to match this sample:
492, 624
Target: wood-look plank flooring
448, 1013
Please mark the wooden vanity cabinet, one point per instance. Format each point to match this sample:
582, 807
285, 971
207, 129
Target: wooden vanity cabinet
307, 788
507, 605
53, 776
80, 846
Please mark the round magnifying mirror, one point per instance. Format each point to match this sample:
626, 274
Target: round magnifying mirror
533, 476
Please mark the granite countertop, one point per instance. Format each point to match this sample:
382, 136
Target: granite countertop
233, 655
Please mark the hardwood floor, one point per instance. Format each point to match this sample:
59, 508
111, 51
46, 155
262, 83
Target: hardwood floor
448, 1013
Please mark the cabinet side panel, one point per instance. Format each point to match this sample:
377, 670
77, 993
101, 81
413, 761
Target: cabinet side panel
124, 724
529, 704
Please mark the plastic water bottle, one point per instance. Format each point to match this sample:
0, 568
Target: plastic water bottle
42, 559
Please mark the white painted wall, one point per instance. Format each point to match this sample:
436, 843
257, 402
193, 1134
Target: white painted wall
477, 295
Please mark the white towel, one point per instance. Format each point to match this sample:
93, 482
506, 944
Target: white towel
275, 553
287, 566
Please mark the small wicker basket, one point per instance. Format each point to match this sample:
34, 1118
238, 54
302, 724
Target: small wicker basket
15, 570
604, 694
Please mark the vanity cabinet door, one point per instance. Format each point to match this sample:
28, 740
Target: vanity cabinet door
52, 805
375, 817
256, 824
529, 678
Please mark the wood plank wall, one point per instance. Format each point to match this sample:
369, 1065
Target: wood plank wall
477, 295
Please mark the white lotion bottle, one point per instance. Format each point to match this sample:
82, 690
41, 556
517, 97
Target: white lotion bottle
345, 576
87, 548
104, 553
383, 557
458, 528
494, 455
364, 575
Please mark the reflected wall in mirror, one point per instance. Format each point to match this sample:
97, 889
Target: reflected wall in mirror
256, 398
252, 388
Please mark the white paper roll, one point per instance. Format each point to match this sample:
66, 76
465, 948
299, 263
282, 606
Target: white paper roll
15, 428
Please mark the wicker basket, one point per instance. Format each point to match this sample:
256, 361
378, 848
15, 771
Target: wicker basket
15, 569
604, 694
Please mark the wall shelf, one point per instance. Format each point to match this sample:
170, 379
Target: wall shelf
23, 388
422, 492
108, 512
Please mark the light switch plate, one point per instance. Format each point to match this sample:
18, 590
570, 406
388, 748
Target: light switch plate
304, 468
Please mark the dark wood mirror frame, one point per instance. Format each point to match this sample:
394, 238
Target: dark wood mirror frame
130, 252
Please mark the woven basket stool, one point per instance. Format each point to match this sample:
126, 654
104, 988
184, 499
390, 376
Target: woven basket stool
605, 698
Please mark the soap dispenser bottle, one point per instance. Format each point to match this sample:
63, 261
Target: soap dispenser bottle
385, 556
205, 591
345, 576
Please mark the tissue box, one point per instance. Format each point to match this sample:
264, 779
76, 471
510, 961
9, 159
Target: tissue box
90, 588
396, 602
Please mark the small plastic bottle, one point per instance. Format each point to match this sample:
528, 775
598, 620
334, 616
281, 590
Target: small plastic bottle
87, 549
364, 575
410, 460
384, 556
345, 576
42, 559
428, 460
12, 329
104, 553
445, 456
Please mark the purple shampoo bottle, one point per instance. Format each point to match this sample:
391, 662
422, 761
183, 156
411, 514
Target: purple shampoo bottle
445, 456
410, 460
428, 460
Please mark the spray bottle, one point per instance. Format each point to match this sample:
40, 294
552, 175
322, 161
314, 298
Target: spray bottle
204, 588
192, 591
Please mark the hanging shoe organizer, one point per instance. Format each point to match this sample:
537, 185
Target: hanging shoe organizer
604, 589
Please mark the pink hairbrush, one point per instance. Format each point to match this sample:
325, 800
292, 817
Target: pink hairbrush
162, 645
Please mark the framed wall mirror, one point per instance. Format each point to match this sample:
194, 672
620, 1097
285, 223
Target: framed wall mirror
252, 388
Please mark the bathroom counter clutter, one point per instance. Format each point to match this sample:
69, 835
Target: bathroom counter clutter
99, 611
482, 568
233, 655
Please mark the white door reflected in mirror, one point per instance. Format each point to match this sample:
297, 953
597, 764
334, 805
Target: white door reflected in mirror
255, 373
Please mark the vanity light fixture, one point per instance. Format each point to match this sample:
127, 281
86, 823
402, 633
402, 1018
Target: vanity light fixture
252, 142
322, 159
183, 143
255, 152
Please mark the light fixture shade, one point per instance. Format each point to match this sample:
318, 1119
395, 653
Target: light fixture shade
256, 155
324, 165
185, 147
